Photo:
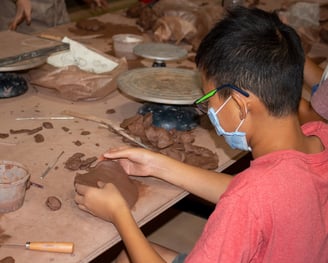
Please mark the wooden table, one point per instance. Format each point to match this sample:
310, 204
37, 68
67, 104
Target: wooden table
34, 221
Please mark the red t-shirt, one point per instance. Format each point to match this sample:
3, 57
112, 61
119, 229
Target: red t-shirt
275, 211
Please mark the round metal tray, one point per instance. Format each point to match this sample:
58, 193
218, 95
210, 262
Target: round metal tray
24, 64
160, 51
162, 85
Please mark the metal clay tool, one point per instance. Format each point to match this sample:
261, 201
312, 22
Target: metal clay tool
51, 166
45, 118
106, 122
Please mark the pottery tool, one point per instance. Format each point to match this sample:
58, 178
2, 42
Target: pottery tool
107, 123
160, 52
77, 38
58, 247
45, 118
169, 93
44, 174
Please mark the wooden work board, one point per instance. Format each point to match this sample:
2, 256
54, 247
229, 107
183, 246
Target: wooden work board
16, 47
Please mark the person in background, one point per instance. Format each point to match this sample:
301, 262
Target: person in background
276, 210
28, 16
317, 108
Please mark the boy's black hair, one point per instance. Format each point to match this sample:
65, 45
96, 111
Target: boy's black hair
255, 51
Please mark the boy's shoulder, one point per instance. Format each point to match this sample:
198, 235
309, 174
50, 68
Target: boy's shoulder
317, 128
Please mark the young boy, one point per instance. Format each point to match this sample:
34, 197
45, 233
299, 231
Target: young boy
274, 211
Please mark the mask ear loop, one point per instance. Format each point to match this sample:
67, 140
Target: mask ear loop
221, 107
242, 121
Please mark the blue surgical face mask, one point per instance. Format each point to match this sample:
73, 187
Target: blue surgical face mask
236, 139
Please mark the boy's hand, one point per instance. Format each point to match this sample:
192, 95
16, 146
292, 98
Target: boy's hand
23, 12
135, 161
105, 201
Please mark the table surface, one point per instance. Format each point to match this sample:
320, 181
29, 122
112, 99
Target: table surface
34, 221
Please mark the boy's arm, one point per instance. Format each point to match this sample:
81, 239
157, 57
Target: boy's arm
206, 184
138, 247
107, 203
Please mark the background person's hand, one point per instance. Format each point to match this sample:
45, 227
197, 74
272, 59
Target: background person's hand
23, 12
97, 3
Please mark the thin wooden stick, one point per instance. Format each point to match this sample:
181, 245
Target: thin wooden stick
106, 122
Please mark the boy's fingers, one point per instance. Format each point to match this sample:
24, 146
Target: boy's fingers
101, 184
81, 189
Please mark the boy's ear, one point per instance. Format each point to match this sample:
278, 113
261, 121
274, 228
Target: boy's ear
242, 104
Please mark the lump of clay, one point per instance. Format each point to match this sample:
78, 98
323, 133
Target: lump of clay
173, 143
110, 172
38, 138
53, 203
90, 24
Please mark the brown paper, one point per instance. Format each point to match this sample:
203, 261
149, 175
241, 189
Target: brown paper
75, 84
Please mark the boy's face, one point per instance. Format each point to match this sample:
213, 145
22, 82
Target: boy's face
229, 114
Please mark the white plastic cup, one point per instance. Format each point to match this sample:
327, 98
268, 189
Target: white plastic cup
123, 45
13, 182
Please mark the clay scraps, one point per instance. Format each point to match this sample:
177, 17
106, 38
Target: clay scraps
75, 162
176, 144
53, 203
35, 131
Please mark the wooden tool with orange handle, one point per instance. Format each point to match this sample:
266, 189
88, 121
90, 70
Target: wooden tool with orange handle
58, 247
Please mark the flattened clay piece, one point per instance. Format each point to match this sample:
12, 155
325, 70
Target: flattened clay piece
110, 172
110, 111
53, 203
28, 131
85, 133
38, 138
85, 164
73, 163
7, 260
47, 125
77, 143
